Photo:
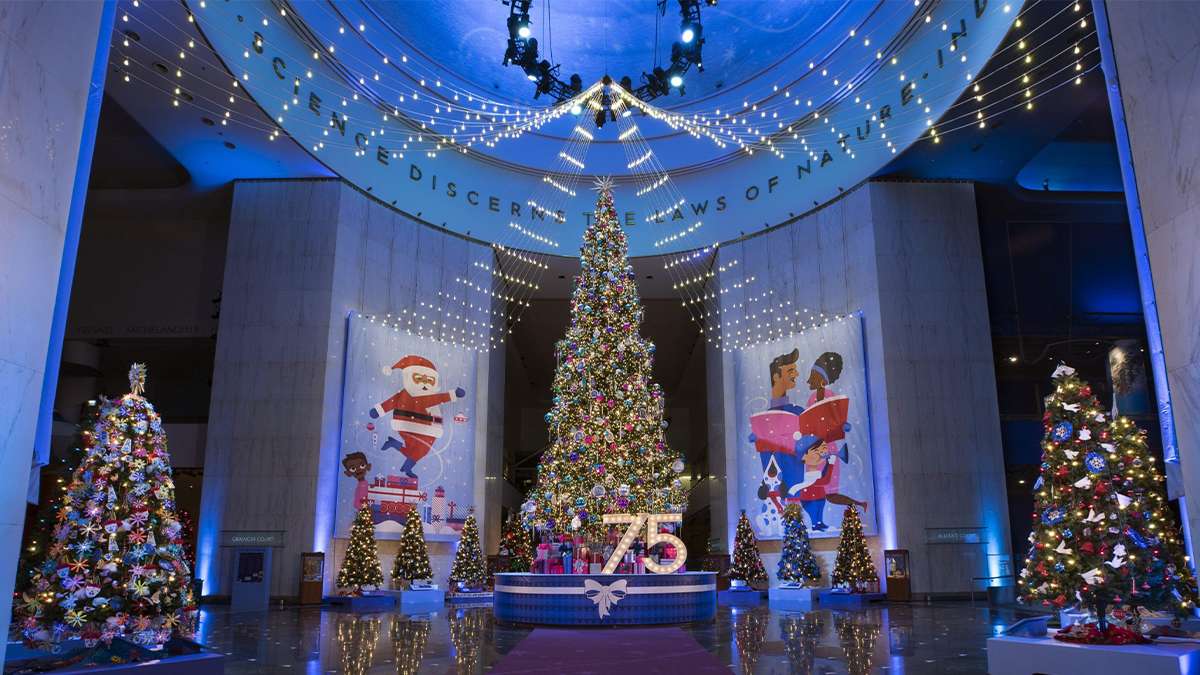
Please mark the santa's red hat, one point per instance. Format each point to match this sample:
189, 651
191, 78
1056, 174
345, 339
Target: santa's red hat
413, 360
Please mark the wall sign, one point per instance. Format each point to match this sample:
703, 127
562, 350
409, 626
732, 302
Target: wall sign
273, 538
954, 535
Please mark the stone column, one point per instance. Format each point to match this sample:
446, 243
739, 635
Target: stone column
1156, 50
907, 256
47, 54
302, 256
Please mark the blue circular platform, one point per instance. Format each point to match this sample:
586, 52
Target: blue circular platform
605, 599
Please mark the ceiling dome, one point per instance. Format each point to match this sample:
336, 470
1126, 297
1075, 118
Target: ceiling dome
753, 50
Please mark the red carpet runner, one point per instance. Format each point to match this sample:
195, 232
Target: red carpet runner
616, 650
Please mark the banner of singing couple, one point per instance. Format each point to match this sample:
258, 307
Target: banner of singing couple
803, 434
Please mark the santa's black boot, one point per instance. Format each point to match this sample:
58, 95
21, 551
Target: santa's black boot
407, 468
393, 442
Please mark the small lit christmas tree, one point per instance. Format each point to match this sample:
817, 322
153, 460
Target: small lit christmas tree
747, 564
361, 566
1103, 533
608, 450
797, 564
517, 545
412, 560
116, 565
468, 568
853, 566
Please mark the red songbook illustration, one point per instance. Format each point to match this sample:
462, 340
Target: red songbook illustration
780, 430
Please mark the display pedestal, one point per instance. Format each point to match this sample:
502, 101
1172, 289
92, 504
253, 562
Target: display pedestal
469, 598
417, 600
793, 598
744, 596
832, 599
605, 599
1021, 655
378, 601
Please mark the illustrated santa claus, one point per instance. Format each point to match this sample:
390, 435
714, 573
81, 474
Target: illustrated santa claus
415, 410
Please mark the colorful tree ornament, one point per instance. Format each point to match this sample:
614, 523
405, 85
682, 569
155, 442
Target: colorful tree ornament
412, 560
797, 564
469, 568
1103, 534
361, 566
853, 566
608, 451
116, 566
747, 564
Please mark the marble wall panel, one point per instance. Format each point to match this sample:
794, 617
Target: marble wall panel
1155, 44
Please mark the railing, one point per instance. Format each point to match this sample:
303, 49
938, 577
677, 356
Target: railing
986, 579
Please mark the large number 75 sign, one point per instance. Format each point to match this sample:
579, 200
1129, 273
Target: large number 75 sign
653, 536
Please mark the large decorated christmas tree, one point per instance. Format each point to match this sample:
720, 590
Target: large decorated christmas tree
608, 451
797, 564
747, 563
469, 565
516, 546
116, 564
361, 566
853, 566
412, 560
1103, 533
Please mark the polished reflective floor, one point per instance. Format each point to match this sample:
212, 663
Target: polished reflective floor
946, 637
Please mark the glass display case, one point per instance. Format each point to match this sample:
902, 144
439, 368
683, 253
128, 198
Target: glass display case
896, 566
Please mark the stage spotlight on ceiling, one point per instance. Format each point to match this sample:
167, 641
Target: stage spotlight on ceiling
576, 109
676, 80
518, 26
687, 35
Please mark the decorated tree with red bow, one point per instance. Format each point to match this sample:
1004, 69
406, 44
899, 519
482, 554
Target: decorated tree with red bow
1103, 533
116, 564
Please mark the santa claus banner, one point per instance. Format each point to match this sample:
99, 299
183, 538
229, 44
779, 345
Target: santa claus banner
408, 431
802, 430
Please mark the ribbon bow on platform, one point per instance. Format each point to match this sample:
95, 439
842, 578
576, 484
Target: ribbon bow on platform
604, 596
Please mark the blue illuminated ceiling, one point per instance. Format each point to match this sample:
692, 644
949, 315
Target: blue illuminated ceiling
749, 42
753, 50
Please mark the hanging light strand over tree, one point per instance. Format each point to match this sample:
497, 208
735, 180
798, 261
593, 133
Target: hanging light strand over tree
361, 566
116, 565
1103, 533
853, 566
608, 451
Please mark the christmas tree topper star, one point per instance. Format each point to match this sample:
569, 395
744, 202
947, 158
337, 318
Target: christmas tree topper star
603, 184
137, 379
